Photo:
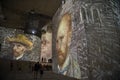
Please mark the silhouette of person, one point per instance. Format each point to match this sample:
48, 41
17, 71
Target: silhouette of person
11, 65
41, 70
36, 69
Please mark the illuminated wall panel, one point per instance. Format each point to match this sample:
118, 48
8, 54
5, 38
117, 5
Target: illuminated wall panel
95, 39
67, 65
46, 47
19, 46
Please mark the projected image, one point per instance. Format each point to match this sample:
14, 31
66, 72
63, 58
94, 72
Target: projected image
66, 64
20, 46
46, 46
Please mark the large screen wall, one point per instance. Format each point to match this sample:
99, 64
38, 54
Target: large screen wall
67, 60
15, 45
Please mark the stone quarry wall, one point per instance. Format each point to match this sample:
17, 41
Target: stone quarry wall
78, 47
95, 37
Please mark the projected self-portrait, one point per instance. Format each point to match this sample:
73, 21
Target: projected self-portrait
20, 44
46, 47
66, 64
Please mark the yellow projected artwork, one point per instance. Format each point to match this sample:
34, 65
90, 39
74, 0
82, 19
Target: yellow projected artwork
19, 45
66, 64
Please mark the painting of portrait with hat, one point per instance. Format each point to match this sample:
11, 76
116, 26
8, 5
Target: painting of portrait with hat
19, 44
21, 47
22, 39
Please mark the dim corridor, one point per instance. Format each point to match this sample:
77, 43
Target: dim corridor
22, 70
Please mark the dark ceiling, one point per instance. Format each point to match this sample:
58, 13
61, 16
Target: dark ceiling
15, 11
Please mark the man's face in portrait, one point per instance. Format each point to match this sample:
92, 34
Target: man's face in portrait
18, 49
20, 43
46, 45
63, 38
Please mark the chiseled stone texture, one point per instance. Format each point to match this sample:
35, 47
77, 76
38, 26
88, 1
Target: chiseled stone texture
95, 37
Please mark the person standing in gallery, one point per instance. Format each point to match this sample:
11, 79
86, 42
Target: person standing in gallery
11, 65
41, 70
36, 69
66, 64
